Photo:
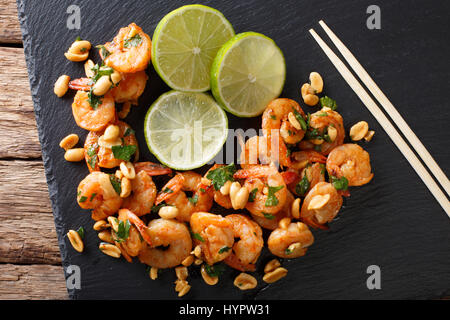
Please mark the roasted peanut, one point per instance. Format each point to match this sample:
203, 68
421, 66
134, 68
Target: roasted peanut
69, 142
153, 273
272, 265
168, 212
102, 86
125, 186
88, 65
318, 202
75, 240
316, 82
275, 275
74, 155
101, 225
110, 250
295, 208
359, 130
244, 281
368, 137
284, 223
181, 272
207, 278
106, 236
127, 169
61, 85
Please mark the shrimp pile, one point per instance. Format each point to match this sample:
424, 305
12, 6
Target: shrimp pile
291, 178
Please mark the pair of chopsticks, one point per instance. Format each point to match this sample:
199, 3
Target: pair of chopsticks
383, 120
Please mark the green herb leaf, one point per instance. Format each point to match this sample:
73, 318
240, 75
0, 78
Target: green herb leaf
123, 231
252, 195
78, 38
221, 175
92, 196
339, 184
302, 186
194, 199
81, 232
128, 132
322, 168
123, 152
288, 251
115, 183
271, 199
104, 52
202, 190
82, 199
328, 102
318, 148
268, 216
156, 208
323, 114
134, 41
167, 190
300, 119
224, 249
94, 101
78, 193
92, 153
197, 236
273, 117
214, 271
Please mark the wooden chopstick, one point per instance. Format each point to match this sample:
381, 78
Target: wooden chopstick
389, 108
385, 123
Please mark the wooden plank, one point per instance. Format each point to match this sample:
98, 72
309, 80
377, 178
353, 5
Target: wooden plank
26, 282
9, 23
18, 133
27, 231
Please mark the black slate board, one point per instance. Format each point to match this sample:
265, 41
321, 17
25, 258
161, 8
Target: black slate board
394, 222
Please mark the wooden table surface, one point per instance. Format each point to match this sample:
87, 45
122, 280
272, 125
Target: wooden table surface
30, 262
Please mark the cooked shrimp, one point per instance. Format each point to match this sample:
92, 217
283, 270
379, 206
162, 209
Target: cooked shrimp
280, 240
134, 243
143, 194
271, 222
257, 151
97, 193
319, 125
93, 118
100, 155
318, 217
275, 118
138, 223
352, 162
130, 50
171, 244
173, 193
309, 164
214, 234
268, 187
219, 198
130, 88
246, 250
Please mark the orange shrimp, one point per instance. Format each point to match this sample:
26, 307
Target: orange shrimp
271, 222
352, 162
98, 153
93, 118
130, 50
281, 239
329, 208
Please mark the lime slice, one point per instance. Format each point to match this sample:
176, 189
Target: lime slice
248, 72
185, 43
185, 130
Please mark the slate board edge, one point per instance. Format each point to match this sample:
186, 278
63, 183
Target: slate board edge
34, 88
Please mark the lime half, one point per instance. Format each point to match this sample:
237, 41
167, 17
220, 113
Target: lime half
185, 43
247, 73
185, 130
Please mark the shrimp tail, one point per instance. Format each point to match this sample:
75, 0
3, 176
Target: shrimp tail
170, 189
83, 84
152, 169
139, 224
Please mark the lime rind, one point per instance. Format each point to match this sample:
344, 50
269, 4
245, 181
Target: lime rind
206, 68
160, 152
218, 65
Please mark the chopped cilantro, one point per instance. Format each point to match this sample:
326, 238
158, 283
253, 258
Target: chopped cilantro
81, 232
128, 132
288, 251
115, 183
82, 199
124, 152
123, 231
268, 216
300, 119
224, 249
252, 195
167, 190
92, 153
221, 175
271, 199
197, 237
273, 117
214, 271
94, 101
202, 190
339, 184
194, 199
103, 51
92, 196
302, 186
328, 102
78, 38
134, 41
